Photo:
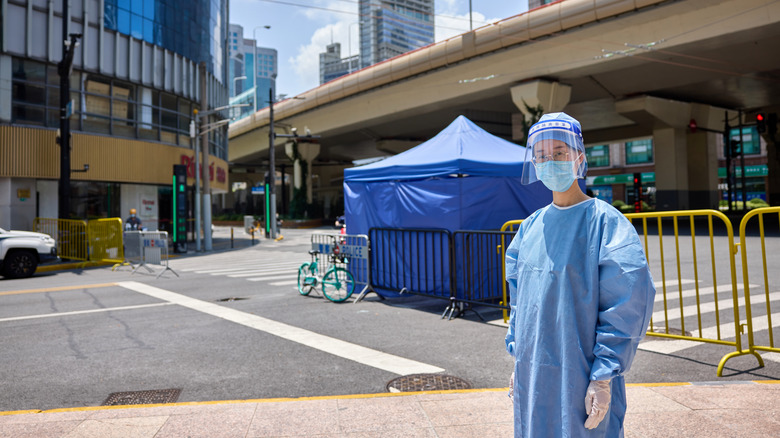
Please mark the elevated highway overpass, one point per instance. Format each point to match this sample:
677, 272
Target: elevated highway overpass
626, 69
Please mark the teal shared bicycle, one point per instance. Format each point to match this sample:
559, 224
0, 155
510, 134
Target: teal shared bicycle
337, 283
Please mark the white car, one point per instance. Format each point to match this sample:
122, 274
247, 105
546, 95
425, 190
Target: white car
22, 251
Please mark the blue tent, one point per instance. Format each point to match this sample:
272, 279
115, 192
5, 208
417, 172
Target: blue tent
462, 179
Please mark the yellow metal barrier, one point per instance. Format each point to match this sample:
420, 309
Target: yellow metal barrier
105, 238
670, 320
759, 323
508, 226
674, 325
96, 240
70, 234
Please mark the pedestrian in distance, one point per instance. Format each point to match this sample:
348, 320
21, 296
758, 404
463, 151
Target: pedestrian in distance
581, 297
133, 223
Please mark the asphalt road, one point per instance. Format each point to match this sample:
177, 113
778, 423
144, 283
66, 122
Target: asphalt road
71, 338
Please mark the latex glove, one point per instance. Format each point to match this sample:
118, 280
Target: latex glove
597, 399
512, 387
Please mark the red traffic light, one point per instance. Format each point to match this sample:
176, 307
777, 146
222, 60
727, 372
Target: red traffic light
760, 123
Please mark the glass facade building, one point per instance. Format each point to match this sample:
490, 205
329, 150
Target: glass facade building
194, 29
333, 66
135, 84
389, 28
250, 78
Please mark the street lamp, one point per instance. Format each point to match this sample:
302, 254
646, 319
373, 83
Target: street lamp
198, 129
254, 62
271, 195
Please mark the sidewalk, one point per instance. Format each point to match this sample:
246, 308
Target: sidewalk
744, 409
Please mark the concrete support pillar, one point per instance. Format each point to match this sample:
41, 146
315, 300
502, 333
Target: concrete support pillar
671, 168
552, 96
686, 163
772, 139
307, 152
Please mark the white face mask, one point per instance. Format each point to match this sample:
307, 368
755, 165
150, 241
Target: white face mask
557, 176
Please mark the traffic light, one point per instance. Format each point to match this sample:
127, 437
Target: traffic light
638, 192
760, 123
180, 210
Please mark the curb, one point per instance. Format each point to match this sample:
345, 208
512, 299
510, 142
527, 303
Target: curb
354, 396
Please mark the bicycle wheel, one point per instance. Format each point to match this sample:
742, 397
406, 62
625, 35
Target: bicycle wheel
338, 285
304, 283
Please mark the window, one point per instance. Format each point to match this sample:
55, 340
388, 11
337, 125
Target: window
639, 151
750, 138
598, 156
99, 104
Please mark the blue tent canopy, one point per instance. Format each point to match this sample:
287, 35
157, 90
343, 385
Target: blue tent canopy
463, 178
461, 148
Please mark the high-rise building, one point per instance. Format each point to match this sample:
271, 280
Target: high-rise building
332, 65
259, 74
391, 27
536, 3
135, 83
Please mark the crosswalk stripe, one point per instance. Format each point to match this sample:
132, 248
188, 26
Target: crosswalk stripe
357, 353
688, 293
672, 283
256, 272
760, 323
278, 277
709, 307
285, 283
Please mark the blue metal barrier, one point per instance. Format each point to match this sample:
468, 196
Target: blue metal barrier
416, 261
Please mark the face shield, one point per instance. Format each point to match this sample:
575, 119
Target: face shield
555, 153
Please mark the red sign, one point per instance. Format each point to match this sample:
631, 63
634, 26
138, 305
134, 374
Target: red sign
190, 163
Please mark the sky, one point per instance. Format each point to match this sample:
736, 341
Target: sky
300, 30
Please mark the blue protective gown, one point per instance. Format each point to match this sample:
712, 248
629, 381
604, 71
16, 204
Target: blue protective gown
581, 299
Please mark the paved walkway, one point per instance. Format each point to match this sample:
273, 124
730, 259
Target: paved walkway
746, 409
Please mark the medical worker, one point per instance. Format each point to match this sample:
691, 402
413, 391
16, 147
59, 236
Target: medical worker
581, 297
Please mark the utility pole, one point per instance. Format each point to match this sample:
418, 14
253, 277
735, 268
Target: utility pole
64, 68
204, 144
271, 162
271, 166
199, 129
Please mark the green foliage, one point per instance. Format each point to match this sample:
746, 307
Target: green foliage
756, 203
723, 204
629, 208
228, 217
533, 116
618, 204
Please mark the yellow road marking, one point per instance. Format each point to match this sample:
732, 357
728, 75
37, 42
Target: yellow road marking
57, 289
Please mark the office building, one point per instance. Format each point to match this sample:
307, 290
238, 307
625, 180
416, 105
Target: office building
536, 3
389, 28
135, 84
332, 65
258, 77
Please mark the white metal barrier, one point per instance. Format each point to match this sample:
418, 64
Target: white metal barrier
143, 248
353, 247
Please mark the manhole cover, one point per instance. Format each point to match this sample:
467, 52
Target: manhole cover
150, 397
426, 382
231, 299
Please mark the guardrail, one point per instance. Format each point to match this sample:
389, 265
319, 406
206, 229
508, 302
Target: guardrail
147, 248
95, 240
679, 306
769, 322
416, 261
354, 247
479, 267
